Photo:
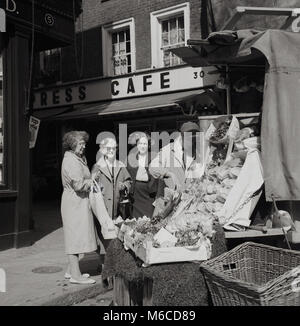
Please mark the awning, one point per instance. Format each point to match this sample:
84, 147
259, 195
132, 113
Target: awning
136, 104
44, 114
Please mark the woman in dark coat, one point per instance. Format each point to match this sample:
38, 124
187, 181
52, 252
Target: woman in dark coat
144, 186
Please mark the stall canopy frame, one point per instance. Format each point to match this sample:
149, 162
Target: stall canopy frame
279, 51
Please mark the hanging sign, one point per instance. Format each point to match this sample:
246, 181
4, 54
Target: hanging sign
34, 125
2, 21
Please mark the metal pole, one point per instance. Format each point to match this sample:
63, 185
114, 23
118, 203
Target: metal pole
228, 92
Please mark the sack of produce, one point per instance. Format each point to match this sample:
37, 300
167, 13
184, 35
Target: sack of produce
245, 193
222, 129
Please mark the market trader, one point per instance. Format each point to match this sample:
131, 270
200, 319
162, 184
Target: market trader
180, 160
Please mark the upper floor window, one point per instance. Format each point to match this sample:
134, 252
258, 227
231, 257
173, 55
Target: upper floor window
50, 65
119, 47
1, 124
170, 28
121, 52
172, 36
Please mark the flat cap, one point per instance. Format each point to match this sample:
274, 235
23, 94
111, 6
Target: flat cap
189, 126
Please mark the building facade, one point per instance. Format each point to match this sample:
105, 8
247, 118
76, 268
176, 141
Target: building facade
28, 28
121, 71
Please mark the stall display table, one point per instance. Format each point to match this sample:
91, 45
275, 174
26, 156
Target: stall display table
273, 237
174, 284
253, 234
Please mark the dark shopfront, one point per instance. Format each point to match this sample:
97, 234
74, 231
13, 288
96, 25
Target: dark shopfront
31, 26
103, 104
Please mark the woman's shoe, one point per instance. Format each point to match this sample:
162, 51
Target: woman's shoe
82, 281
68, 276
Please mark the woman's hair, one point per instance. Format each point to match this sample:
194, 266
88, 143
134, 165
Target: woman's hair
141, 135
104, 141
71, 139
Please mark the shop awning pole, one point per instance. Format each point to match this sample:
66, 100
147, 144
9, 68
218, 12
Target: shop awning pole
228, 92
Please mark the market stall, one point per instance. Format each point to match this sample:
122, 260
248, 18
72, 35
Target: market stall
249, 170
245, 58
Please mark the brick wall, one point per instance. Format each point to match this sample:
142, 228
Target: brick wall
97, 13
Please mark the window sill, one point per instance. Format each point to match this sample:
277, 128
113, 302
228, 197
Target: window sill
8, 193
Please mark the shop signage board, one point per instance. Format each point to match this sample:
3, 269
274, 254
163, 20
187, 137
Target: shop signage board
137, 84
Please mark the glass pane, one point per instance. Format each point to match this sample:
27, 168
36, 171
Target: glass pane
1, 122
128, 47
165, 39
121, 36
181, 22
181, 37
123, 61
173, 24
129, 60
114, 38
115, 49
122, 48
165, 28
166, 58
127, 35
173, 37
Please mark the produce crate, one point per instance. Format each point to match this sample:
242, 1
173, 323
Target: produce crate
150, 255
254, 275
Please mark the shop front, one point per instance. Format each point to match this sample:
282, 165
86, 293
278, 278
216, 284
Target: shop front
28, 26
154, 100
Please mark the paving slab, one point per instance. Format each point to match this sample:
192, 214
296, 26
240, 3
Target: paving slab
35, 274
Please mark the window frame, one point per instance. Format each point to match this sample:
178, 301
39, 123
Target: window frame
156, 17
107, 44
42, 69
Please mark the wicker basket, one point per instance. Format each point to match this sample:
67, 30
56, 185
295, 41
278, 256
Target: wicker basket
254, 274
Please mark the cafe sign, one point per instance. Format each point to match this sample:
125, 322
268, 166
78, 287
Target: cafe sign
137, 84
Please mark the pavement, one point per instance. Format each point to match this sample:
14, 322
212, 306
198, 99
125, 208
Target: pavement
35, 274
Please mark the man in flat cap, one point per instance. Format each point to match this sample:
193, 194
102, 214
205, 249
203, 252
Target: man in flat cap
180, 160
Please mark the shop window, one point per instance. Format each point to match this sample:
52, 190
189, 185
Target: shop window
119, 48
170, 28
1, 124
50, 66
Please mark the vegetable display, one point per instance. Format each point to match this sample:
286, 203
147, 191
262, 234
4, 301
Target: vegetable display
187, 218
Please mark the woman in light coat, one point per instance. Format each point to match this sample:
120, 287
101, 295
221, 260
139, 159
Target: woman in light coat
78, 224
